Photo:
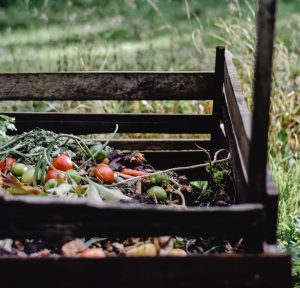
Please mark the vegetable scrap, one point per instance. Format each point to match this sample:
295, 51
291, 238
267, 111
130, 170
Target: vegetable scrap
42, 163
130, 247
47, 164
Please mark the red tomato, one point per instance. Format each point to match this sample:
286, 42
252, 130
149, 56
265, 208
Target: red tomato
62, 162
7, 163
104, 173
52, 174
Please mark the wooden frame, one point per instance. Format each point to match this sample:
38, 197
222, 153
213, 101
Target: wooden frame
229, 109
253, 217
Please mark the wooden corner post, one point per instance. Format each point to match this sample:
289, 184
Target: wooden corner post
218, 91
262, 92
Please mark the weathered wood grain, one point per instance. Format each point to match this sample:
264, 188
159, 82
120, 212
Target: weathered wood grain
238, 111
52, 218
234, 271
159, 144
271, 205
238, 175
261, 95
107, 86
89, 123
219, 73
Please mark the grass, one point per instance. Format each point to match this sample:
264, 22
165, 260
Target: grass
168, 35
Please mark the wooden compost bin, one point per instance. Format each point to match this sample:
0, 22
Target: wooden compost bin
253, 217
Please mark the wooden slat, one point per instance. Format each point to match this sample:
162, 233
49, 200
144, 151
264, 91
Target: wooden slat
235, 271
159, 144
107, 86
218, 90
271, 205
238, 111
89, 123
53, 218
238, 175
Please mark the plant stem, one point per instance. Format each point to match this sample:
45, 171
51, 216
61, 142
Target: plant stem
215, 161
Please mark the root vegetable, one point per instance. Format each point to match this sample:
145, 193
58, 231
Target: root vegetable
132, 172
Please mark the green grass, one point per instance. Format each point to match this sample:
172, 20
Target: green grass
165, 35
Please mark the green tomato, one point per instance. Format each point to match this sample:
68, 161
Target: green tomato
157, 192
74, 175
28, 175
18, 169
50, 184
159, 178
100, 153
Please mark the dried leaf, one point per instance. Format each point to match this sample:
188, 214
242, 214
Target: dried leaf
106, 194
12, 182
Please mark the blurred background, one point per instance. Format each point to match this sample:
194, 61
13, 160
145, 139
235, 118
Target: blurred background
171, 35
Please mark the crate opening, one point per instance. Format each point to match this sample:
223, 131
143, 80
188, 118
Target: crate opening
200, 107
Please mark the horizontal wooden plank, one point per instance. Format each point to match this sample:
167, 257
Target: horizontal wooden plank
89, 123
31, 217
238, 111
235, 271
107, 86
159, 144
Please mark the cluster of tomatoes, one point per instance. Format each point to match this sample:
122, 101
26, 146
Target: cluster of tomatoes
59, 171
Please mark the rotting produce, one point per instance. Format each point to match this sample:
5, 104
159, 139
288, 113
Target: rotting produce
46, 164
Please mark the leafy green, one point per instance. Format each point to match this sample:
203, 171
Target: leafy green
6, 123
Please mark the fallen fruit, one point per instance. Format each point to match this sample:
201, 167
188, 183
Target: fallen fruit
104, 173
50, 184
7, 163
159, 178
28, 175
177, 252
142, 250
93, 253
18, 169
62, 162
98, 153
52, 174
158, 193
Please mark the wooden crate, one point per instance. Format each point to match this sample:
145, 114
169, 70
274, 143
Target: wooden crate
253, 217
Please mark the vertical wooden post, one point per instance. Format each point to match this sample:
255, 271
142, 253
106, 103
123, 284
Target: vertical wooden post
219, 80
262, 91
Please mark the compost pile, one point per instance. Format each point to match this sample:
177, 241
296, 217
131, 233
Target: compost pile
46, 164
104, 247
